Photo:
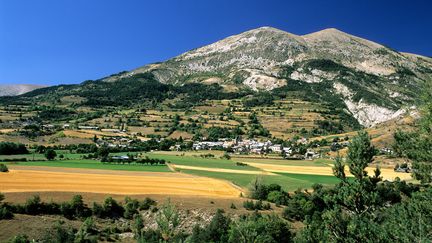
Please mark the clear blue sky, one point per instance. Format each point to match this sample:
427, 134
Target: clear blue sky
69, 41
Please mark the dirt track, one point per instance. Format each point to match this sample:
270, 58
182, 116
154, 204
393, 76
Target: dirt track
125, 183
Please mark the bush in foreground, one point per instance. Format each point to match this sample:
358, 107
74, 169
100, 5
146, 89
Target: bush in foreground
5, 212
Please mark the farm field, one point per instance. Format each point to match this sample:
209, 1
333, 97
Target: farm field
126, 183
92, 164
280, 161
37, 156
201, 162
290, 174
289, 182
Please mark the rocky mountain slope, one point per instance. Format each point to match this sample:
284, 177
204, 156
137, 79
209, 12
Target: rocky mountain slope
17, 89
375, 82
359, 79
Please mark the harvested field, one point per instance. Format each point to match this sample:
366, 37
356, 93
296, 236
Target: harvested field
44, 140
178, 134
306, 170
114, 182
90, 133
77, 134
386, 173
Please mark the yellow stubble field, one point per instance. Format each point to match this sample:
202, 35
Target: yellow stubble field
113, 182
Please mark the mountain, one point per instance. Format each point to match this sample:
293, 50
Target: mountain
17, 89
376, 82
366, 81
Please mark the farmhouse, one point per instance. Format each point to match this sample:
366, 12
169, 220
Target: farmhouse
120, 158
206, 145
276, 148
110, 130
310, 155
88, 128
386, 150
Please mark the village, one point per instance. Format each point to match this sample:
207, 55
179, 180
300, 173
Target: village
252, 146
300, 148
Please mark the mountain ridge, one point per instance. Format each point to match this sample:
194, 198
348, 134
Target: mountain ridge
256, 58
367, 80
17, 89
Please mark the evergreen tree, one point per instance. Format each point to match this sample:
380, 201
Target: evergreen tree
50, 154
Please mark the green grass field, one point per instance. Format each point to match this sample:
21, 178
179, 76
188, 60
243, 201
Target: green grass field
93, 164
201, 162
289, 182
36, 156
312, 179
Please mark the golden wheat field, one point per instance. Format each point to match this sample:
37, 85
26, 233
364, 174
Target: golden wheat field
113, 182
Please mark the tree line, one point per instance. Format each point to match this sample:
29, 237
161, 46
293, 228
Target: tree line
76, 208
9, 148
131, 159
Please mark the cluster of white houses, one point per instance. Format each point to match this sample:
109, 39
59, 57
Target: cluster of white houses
252, 146
115, 142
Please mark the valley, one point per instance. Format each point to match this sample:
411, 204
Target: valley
268, 126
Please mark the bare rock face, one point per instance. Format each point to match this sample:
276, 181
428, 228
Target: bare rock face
381, 81
17, 89
366, 114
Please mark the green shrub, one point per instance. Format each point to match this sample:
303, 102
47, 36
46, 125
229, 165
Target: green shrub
130, 208
59, 232
21, 238
257, 228
5, 213
111, 209
50, 154
258, 205
33, 205
87, 232
278, 197
75, 208
147, 203
249, 205
3, 168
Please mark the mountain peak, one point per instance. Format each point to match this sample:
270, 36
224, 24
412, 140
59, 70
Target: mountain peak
268, 28
329, 32
332, 30
338, 38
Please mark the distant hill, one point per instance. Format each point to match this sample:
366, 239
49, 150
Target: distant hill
359, 78
17, 89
